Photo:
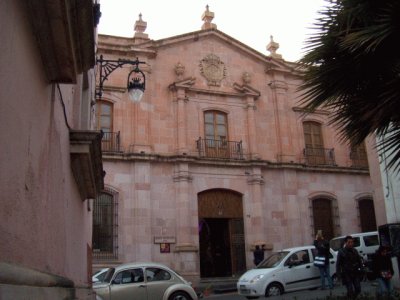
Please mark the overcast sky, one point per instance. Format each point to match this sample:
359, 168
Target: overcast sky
252, 22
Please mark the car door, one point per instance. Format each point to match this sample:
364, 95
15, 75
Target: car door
299, 272
157, 281
128, 284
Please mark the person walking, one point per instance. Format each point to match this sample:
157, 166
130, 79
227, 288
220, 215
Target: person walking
322, 257
383, 270
348, 267
258, 255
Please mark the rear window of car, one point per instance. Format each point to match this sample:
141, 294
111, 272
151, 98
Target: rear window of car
338, 243
371, 240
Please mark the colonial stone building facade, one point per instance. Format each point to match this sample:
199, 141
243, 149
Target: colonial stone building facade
218, 157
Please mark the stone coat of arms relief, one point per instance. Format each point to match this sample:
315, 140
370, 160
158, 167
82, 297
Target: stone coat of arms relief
213, 69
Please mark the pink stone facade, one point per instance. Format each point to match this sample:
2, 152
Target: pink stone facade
45, 223
159, 172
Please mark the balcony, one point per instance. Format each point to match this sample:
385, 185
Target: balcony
319, 156
111, 142
219, 149
359, 158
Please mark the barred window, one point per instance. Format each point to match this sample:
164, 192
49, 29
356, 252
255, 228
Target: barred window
105, 224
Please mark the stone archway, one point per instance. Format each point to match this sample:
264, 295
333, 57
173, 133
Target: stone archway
221, 233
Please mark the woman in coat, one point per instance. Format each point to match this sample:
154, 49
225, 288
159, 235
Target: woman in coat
322, 247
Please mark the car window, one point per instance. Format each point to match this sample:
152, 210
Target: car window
315, 252
336, 244
101, 276
298, 258
129, 276
371, 240
272, 260
157, 274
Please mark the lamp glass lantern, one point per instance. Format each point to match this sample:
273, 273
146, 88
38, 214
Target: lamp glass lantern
136, 84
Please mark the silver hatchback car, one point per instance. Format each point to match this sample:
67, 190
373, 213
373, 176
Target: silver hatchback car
142, 281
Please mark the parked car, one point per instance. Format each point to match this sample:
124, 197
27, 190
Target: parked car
366, 243
283, 271
99, 275
142, 281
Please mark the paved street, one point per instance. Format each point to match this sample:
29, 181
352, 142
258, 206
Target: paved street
367, 287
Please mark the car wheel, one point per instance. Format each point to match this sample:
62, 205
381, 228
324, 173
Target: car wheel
274, 289
180, 296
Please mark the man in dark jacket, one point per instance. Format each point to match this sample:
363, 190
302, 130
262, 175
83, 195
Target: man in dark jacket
348, 267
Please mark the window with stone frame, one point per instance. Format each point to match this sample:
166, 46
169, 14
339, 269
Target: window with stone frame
105, 225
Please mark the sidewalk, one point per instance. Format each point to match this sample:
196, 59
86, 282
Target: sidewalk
223, 286
367, 289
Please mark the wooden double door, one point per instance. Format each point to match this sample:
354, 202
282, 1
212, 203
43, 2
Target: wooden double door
221, 233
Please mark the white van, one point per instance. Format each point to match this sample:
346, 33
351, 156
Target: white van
366, 243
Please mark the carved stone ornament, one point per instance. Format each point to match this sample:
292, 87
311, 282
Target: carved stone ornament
246, 77
213, 69
179, 70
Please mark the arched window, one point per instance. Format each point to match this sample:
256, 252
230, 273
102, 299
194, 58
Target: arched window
323, 217
367, 215
104, 116
104, 121
358, 156
314, 152
105, 225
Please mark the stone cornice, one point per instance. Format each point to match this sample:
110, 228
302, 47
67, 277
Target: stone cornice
307, 111
264, 164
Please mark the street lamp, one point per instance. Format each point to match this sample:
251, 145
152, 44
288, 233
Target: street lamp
136, 79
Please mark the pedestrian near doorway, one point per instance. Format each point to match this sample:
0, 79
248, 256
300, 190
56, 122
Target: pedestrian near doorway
322, 247
383, 270
349, 267
258, 255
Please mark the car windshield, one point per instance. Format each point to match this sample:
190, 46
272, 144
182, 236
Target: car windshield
273, 260
109, 275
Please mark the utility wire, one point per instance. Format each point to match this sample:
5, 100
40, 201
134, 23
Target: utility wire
63, 106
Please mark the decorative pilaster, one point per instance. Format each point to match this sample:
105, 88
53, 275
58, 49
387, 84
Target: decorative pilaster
256, 180
180, 88
282, 120
185, 246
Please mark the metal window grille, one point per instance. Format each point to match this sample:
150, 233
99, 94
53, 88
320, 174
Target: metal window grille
105, 226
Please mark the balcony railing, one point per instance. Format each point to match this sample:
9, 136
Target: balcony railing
359, 159
219, 149
319, 156
111, 142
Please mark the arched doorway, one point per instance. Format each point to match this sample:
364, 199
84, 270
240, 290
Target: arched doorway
322, 216
221, 233
367, 215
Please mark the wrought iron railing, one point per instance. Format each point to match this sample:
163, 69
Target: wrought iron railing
319, 156
219, 149
111, 142
359, 158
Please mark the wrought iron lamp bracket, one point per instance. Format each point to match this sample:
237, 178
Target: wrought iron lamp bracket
107, 66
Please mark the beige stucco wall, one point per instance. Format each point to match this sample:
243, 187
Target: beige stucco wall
44, 224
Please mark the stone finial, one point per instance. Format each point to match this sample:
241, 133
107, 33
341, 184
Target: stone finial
179, 70
272, 47
140, 27
246, 77
207, 17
